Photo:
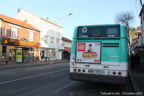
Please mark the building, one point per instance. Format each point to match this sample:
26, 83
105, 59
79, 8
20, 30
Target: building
141, 37
66, 43
135, 38
50, 36
20, 41
138, 38
139, 48
132, 34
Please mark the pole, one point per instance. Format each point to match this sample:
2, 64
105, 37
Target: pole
141, 3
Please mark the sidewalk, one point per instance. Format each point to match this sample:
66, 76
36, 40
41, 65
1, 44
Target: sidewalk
137, 75
36, 63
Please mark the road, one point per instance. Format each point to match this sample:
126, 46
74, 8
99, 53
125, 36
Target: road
50, 80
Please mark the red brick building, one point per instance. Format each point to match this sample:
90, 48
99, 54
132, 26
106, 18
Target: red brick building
20, 41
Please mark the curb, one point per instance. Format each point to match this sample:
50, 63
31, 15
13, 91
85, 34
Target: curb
135, 88
29, 65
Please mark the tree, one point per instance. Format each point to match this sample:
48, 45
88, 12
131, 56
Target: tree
125, 18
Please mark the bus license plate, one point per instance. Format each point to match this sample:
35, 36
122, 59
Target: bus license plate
99, 72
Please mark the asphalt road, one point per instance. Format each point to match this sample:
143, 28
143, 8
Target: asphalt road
51, 80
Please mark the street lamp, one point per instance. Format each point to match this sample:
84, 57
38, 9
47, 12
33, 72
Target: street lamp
66, 16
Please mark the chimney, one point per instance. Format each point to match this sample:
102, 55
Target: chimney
47, 19
25, 20
18, 10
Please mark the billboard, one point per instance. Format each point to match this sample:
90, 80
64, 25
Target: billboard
19, 55
89, 52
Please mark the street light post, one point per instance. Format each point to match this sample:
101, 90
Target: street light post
66, 16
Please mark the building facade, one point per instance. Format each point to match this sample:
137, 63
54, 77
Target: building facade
50, 35
20, 41
139, 48
141, 37
66, 43
135, 38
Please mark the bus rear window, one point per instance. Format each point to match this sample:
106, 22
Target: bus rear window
99, 31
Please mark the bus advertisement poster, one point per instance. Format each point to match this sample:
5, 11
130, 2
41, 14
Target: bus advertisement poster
88, 52
19, 55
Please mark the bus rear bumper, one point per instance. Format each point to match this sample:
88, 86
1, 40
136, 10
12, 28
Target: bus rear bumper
98, 78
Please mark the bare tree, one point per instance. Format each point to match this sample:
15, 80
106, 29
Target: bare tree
125, 18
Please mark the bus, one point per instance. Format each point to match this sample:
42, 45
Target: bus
99, 54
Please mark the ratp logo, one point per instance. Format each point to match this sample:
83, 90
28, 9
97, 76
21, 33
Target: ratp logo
84, 29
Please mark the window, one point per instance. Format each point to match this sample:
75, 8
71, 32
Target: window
14, 32
57, 33
52, 40
52, 53
58, 41
3, 51
31, 36
63, 43
4, 31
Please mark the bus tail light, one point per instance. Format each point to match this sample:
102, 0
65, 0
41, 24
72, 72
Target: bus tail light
74, 70
83, 70
119, 73
79, 70
114, 73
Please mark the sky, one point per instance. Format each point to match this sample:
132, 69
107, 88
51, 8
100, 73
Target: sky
85, 12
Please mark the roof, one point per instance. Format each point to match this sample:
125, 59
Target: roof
66, 39
50, 22
17, 22
138, 28
39, 17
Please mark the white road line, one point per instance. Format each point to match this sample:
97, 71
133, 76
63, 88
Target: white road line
60, 89
30, 77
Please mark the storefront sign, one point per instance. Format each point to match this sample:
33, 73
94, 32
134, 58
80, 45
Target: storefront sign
15, 42
19, 55
11, 47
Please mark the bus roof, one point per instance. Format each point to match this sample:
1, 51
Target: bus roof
101, 25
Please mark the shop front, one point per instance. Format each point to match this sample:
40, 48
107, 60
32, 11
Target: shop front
138, 56
20, 51
47, 54
28, 54
66, 53
3, 54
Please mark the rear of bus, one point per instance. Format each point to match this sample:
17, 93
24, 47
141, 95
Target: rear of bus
99, 54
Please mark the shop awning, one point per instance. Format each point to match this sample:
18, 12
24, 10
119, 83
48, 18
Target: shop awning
15, 42
68, 49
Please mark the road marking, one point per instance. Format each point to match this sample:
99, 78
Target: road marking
60, 89
30, 77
